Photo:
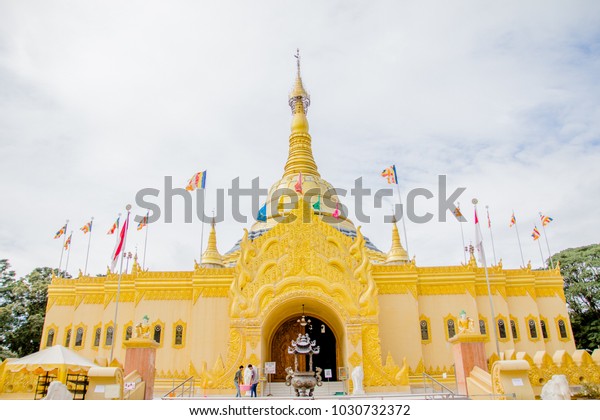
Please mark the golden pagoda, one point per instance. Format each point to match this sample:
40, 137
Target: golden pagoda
368, 308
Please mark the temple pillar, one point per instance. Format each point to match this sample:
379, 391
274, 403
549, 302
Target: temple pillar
140, 355
468, 351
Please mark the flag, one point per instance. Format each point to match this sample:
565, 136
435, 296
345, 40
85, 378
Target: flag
535, 234
87, 227
545, 219
457, 212
298, 186
197, 181
489, 221
336, 212
390, 174
143, 222
114, 227
317, 205
513, 220
479, 239
120, 244
68, 242
262, 213
61, 232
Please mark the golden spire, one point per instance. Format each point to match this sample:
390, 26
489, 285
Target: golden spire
397, 254
211, 257
300, 158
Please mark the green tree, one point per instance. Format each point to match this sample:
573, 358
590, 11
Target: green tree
580, 268
22, 310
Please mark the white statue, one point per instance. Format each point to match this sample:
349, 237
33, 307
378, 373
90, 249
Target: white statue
556, 388
357, 380
248, 379
58, 391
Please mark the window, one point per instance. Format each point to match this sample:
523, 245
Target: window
513, 329
109, 336
532, 329
482, 328
68, 338
97, 335
157, 333
451, 328
179, 335
544, 330
562, 329
79, 337
50, 338
424, 331
501, 328
128, 333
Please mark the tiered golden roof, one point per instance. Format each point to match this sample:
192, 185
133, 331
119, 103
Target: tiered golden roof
397, 254
211, 257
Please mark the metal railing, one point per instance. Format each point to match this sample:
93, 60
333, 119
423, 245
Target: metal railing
180, 390
444, 392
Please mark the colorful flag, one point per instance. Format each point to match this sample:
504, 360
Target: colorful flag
120, 244
513, 220
479, 239
390, 174
262, 213
143, 222
336, 212
61, 232
87, 227
317, 205
114, 227
545, 219
535, 234
298, 186
457, 212
68, 242
197, 181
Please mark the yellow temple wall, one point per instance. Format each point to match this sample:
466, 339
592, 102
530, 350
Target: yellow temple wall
209, 332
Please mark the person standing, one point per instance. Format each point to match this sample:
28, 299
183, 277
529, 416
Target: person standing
253, 381
238, 380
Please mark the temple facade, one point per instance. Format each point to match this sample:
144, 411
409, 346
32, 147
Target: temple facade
369, 308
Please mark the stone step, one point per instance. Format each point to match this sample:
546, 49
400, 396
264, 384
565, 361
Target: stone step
280, 389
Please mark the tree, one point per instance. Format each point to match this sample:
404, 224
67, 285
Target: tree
22, 310
580, 268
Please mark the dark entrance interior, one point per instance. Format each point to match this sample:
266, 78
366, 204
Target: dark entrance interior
288, 331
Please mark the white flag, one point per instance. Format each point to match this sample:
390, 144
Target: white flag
479, 240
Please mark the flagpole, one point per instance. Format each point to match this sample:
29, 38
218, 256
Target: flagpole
541, 254
403, 217
62, 249
546, 238
462, 234
487, 281
491, 234
68, 254
114, 337
87, 255
519, 240
202, 221
145, 242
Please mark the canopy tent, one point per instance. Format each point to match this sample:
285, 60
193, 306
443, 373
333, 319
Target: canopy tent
51, 358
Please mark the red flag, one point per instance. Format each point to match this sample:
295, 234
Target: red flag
119, 248
298, 186
479, 239
336, 212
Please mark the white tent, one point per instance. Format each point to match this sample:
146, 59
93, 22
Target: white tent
55, 357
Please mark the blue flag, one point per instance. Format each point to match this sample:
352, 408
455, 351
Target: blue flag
262, 214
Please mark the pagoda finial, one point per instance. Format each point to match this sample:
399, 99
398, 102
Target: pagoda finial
397, 254
211, 257
300, 157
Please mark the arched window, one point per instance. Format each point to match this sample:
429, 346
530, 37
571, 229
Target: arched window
544, 330
128, 333
482, 328
68, 338
157, 333
179, 335
513, 329
79, 337
451, 328
97, 335
109, 336
424, 330
562, 329
501, 328
50, 338
532, 329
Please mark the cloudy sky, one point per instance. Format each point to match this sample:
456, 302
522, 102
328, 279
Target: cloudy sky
100, 99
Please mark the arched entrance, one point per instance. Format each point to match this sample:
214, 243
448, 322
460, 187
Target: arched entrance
288, 331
